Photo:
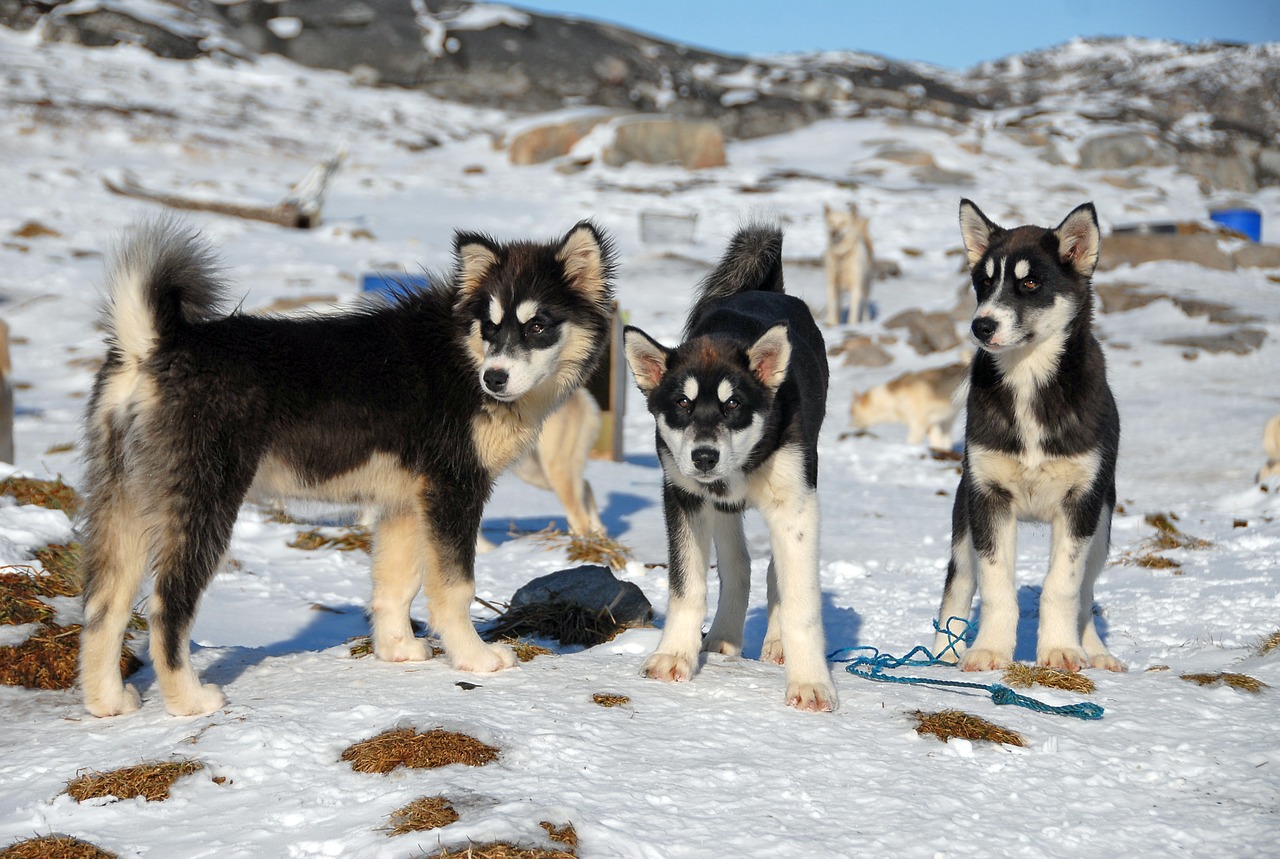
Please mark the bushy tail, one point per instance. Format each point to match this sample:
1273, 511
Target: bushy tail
752, 263
161, 276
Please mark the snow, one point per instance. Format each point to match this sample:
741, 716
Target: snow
718, 766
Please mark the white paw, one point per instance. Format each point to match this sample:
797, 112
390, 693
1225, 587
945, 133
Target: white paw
1107, 661
981, 659
123, 700
719, 645
401, 649
1062, 658
944, 653
669, 667
206, 699
771, 651
814, 697
486, 659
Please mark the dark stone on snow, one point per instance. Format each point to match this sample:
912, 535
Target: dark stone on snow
591, 587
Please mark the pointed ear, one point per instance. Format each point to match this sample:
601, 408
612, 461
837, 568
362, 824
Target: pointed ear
769, 356
474, 255
646, 357
1078, 239
976, 230
587, 257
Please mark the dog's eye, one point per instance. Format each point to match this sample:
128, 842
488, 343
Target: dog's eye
732, 404
985, 281
1030, 285
684, 403
488, 330
534, 328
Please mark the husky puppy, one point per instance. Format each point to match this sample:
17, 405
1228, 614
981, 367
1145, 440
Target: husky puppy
412, 408
923, 400
848, 263
738, 407
1271, 444
1040, 441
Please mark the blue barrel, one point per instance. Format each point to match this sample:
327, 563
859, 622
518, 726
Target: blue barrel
1247, 222
394, 286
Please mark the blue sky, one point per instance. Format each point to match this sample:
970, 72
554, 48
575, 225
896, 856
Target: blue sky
952, 33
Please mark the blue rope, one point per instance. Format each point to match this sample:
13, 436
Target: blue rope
873, 666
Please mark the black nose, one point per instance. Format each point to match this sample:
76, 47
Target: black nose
984, 327
705, 458
495, 380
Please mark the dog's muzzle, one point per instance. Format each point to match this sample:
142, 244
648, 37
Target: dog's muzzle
705, 459
984, 328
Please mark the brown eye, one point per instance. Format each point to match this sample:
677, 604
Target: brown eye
684, 402
1030, 285
535, 328
732, 404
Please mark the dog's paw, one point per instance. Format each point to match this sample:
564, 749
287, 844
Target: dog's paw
401, 649
1062, 658
669, 667
771, 651
719, 645
1107, 661
202, 700
813, 697
121, 701
984, 660
486, 659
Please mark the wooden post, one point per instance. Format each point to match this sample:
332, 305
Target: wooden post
609, 387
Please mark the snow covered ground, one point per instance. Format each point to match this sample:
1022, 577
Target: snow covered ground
716, 767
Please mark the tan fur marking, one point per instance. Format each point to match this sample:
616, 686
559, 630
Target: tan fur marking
380, 481
476, 260
580, 256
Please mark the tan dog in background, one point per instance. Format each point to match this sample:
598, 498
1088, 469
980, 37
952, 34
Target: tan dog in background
558, 462
848, 263
925, 401
1271, 444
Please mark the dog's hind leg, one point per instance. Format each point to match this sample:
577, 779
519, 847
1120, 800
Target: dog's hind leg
771, 648
1097, 652
689, 531
733, 563
114, 561
832, 264
397, 579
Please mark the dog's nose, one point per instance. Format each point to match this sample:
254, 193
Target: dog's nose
705, 458
495, 380
984, 327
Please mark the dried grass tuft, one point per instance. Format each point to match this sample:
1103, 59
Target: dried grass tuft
567, 623
61, 562
149, 781
566, 835
527, 651
1243, 682
1152, 561
1267, 644
349, 541
54, 847
610, 700
587, 548
49, 659
500, 850
1025, 676
406, 747
53, 494
1168, 536
952, 723
428, 812
20, 601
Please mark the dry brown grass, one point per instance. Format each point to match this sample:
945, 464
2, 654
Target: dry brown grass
567, 623
350, 541
566, 835
500, 850
53, 494
1267, 643
527, 651
54, 847
20, 602
61, 561
1243, 682
952, 723
610, 700
150, 781
1168, 535
49, 659
587, 548
406, 747
1153, 561
428, 812
1025, 676
362, 646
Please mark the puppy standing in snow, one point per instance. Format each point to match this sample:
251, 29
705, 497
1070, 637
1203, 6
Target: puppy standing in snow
738, 407
1041, 440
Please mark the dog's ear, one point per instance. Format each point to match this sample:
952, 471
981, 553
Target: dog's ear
1078, 240
646, 357
475, 254
769, 356
976, 230
587, 256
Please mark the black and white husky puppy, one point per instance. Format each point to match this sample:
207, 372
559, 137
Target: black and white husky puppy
412, 409
738, 406
1041, 439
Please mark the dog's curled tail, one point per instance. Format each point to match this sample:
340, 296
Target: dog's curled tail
161, 276
751, 263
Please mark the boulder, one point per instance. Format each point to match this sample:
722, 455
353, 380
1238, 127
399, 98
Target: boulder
862, 351
1257, 255
1241, 341
665, 140
590, 587
926, 332
1136, 248
554, 137
1123, 149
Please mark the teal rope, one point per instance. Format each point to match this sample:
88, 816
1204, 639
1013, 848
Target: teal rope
873, 666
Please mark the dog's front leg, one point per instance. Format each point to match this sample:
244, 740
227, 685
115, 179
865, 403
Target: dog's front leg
397, 578
993, 529
449, 552
794, 532
688, 555
733, 562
